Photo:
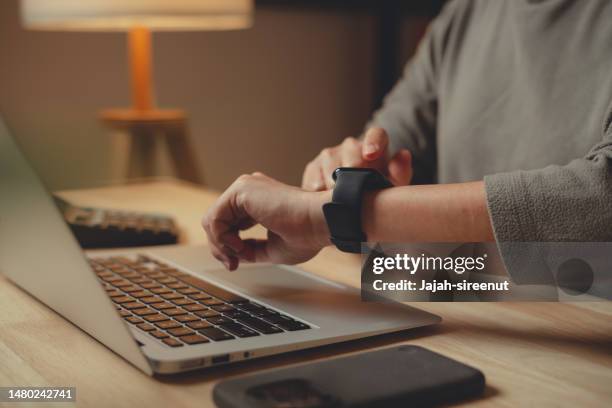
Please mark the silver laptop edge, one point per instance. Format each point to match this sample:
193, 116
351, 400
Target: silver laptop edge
39, 253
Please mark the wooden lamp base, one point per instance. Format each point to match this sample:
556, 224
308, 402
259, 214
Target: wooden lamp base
145, 123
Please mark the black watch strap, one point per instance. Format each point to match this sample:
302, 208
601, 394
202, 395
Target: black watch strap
343, 213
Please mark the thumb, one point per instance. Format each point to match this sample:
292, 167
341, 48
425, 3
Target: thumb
374, 144
400, 168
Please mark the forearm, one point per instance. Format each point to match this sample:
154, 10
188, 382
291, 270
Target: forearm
428, 213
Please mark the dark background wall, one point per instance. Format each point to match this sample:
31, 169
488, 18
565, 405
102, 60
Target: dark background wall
268, 98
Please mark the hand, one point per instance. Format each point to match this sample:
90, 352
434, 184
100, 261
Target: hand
371, 152
293, 217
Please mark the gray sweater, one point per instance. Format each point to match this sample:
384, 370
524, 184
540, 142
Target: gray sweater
518, 93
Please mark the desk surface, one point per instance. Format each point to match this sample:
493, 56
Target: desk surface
537, 354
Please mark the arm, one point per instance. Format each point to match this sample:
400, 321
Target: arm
297, 230
428, 213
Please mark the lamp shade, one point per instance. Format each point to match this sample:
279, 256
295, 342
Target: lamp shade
122, 15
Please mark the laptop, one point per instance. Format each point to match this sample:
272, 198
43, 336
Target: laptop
172, 309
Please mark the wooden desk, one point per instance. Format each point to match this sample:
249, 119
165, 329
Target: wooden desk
536, 354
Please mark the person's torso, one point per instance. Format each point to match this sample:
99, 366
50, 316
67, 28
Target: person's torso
523, 84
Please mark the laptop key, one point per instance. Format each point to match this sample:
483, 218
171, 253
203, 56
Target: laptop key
223, 308
211, 289
207, 313
145, 327
160, 290
170, 296
194, 307
150, 285
259, 325
218, 320
194, 339
286, 323
239, 330
155, 318
133, 319
187, 318
122, 299
263, 312
150, 299
186, 290
182, 302
199, 296
133, 305
180, 331
167, 324
172, 342
144, 311
175, 311
211, 302
124, 313
140, 294
158, 334
235, 314
198, 325
162, 305
216, 334
177, 285
114, 293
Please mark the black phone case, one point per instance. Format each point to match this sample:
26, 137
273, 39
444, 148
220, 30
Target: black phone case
393, 377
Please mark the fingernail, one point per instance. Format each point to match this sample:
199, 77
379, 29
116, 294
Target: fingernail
370, 148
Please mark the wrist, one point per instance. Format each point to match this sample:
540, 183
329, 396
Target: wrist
318, 225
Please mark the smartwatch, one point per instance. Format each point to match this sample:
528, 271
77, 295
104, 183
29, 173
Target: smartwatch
343, 213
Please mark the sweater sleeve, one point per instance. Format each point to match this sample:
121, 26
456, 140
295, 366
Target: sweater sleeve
409, 112
556, 203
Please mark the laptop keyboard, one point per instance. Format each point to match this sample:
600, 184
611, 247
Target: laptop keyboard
179, 309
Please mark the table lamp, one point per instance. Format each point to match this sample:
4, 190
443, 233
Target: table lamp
138, 18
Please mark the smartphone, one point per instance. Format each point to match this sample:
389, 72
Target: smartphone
391, 377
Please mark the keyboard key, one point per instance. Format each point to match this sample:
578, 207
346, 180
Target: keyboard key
223, 308
263, 312
172, 342
150, 299
145, 327
167, 280
156, 318
216, 334
250, 306
140, 280
133, 305
150, 285
239, 330
180, 331
131, 289
133, 319
198, 325
167, 324
211, 301
182, 302
187, 318
186, 290
235, 314
124, 313
259, 325
162, 305
286, 323
194, 307
114, 293
144, 311
140, 294
122, 299
178, 285
158, 334
159, 291
207, 313
218, 320
211, 289
199, 296
194, 339
170, 296
122, 283
175, 311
